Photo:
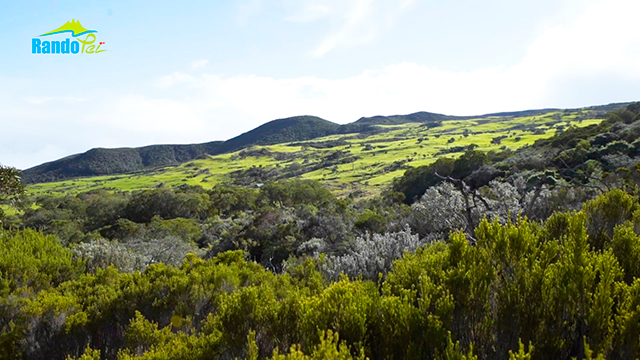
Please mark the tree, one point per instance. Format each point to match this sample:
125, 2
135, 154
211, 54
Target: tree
11, 186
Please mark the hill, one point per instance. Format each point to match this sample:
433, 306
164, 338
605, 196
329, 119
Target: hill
503, 231
362, 162
282, 130
369, 132
101, 161
422, 117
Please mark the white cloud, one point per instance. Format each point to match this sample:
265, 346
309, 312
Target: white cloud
310, 11
351, 22
248, 9
199, 63
139, 113
38, 100
599, 49
170, 80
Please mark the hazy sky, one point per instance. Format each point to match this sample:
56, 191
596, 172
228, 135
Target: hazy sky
197, 71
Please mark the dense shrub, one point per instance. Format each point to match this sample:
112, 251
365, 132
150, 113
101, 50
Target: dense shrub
439, 210
101, 253
548, 285
167, 204
530, 254
371, 255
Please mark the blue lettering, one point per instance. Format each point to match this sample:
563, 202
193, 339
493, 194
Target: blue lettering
35, 46
75, 47
46, 47
65, 46
55, 47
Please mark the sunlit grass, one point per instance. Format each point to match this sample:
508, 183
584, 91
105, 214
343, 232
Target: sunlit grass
407, 145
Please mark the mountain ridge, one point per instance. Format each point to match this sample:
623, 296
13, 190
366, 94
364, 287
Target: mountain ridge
103, 161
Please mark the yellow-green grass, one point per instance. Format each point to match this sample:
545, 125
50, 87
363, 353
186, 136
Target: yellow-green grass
369, 173
8, 210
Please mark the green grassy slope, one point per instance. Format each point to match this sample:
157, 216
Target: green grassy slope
116, 161
282, 130
423, 117
97, 162
357, 163
127, 160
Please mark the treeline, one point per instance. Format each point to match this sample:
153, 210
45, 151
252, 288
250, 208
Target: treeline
563, 289
270, 224
280, 222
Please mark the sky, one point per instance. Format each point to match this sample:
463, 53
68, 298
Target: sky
178, 72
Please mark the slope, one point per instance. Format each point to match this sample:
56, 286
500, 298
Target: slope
282, 130
360, 163
100, 162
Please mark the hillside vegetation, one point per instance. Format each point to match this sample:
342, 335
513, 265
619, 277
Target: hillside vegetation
360, 162
127, 160
481, 253
117, 161
99, 161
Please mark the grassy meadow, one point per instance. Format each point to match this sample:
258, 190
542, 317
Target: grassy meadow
358, 164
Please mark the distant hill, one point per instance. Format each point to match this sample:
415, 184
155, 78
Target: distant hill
423, 116
427, 117
282, 130
522, 113
99, 161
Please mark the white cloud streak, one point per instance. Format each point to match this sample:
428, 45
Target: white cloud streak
351, 22
601, 47
199, 63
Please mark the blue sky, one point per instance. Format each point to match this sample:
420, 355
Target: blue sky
196, 71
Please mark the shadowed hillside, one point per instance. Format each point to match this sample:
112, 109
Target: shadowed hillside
282, 130
423, 116
99, 161
126, 160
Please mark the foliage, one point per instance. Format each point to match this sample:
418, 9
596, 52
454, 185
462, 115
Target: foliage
32, 260
605, 213
329, 348
494, 255
439, 210
282, 130
416, 181
10, 183
361, 160
546, 285
101, 253
117, 161
165, 203
371, 255
11, 187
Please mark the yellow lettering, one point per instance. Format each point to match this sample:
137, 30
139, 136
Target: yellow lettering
87, 42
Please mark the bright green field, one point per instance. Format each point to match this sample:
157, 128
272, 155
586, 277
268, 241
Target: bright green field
368, 174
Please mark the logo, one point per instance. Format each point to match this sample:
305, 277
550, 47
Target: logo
68, 46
